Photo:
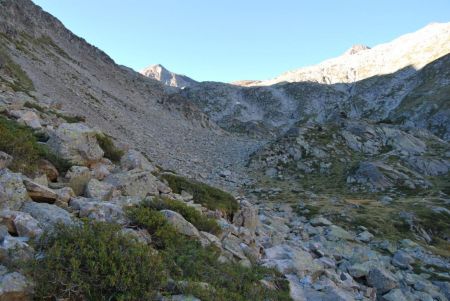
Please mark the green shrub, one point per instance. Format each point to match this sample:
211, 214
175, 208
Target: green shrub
111, 151
67, 118
200, 221
210, 197
95, 261
21, 81
186, 260
21, 143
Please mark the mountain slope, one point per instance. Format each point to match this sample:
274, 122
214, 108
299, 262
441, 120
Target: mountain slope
67, 72
167, 77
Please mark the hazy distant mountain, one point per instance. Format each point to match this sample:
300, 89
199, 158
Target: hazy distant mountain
159, 72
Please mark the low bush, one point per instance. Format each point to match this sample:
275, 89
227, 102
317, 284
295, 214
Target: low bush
21, 143
111, 151
210, 197
188, 262
95, 261
200, 221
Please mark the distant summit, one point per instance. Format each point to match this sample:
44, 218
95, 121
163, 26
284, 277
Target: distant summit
160, 73
356, 49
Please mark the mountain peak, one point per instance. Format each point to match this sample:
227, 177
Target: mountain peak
356, 49
162, 74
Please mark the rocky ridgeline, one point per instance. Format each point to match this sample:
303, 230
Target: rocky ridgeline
163, 75
94, 188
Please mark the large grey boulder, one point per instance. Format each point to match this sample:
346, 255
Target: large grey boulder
77, 143
48, 215
394, 295
13, 249
133, 159
180, 224
15, 287
382, 280
99, 210
12, 191
134, 183
99, 190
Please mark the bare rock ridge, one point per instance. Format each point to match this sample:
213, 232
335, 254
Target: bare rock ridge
163, 75
360, 62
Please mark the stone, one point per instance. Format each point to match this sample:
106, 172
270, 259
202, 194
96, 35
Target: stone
77, 143
395, 295
365, 236
444, 288
402, 260
247, 216
28, 118
26, 225
359, 270
12, 191
48, 215
5, 160
180, 224
208, 239
133, 159
15, 287
99, 210
99, 190
102, 169
382, 280
64, 195
40, 193
335, 233
320, 221
14, 250
232, 244
134, 183
78, 177
48, 169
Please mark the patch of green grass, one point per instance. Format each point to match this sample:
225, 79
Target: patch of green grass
21, 81
210, 197
95, 261
21, 143
186, 260
107, 145
67, 118
200, 221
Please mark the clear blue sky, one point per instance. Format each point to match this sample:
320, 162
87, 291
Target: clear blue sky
239, 39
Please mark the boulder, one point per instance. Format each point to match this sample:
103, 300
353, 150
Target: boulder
247, 216
99, 190
382, 280
12, 191
134, 183
28, 118
335, 233
78, 177
99, 210
180, 224
13, 249
15, 287
64, 195
320, 221
20, 223
395, 295
47, 215
133, 159
5, 160
402, 260
77, 143
365, 236
48, 169
40, 193
102, 169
